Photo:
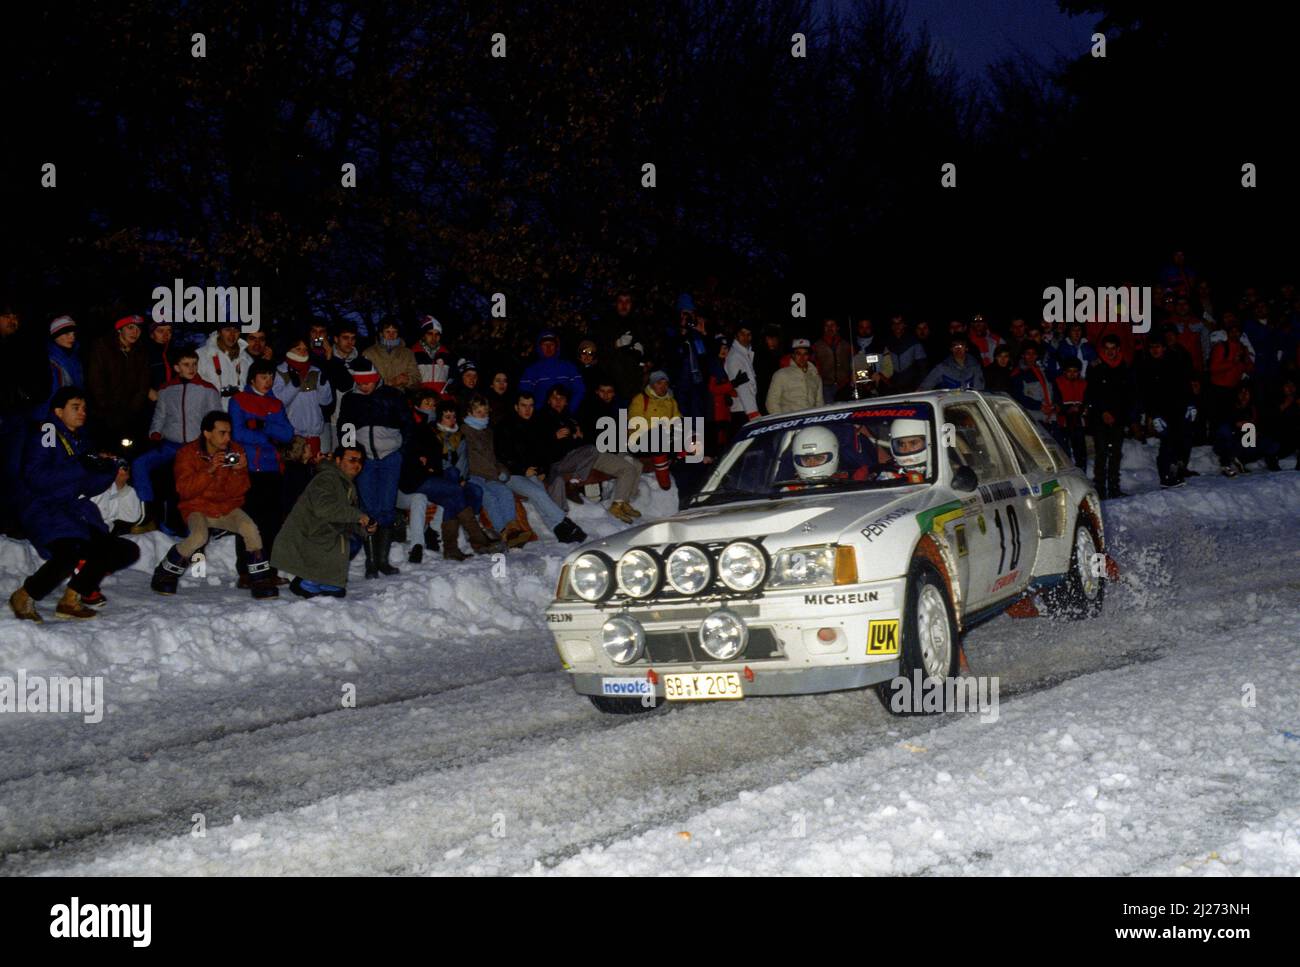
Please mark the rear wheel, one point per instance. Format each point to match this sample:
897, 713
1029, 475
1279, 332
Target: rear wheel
930, 643
1083, 591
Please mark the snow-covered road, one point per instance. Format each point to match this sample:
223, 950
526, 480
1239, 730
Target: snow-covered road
1121, 746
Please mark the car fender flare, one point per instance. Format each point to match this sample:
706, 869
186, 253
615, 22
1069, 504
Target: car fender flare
937, 552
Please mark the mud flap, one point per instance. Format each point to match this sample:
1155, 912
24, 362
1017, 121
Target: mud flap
1112, 569
1024, 608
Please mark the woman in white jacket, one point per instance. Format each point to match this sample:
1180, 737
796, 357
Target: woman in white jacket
306, 395
740, 370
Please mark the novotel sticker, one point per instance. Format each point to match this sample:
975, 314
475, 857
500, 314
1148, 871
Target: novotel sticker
626, 686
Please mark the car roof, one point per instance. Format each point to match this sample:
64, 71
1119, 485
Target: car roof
934, 397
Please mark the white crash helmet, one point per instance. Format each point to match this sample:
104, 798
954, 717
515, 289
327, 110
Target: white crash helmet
816, 453
902, 444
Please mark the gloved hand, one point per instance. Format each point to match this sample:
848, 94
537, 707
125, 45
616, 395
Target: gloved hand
1159, 425
1190, 414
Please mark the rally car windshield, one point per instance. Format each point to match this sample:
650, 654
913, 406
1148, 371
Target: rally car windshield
867, 448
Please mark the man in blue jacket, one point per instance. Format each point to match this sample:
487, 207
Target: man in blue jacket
61, 474
550, 370
259, 423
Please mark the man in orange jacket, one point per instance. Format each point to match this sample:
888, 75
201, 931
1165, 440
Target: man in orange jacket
211, 480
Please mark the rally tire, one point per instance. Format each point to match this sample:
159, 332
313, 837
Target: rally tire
624, 706
1082, 594
930, 642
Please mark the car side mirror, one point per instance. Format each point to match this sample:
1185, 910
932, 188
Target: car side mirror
964, 479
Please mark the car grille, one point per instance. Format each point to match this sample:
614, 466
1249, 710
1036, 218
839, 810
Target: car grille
665, 647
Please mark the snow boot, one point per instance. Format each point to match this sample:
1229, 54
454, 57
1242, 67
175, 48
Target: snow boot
451, 539
368, 545
261, 579
431, 540
661, 473
623, 511
477, 538
312, 589
70, 606
24, 607
517, 535
567, 532
94, 599
383, 545
167, 575
416, 554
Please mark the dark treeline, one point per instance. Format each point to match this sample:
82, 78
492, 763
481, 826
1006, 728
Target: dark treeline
523, 175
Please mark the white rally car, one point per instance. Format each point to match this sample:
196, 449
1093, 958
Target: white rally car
834, 548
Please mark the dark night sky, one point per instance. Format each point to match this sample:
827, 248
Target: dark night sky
977, 32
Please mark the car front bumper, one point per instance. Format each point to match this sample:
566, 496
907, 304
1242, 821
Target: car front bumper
803, 661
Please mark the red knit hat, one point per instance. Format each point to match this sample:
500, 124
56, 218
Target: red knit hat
128, 321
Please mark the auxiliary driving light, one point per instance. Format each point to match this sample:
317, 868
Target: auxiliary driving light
723, 634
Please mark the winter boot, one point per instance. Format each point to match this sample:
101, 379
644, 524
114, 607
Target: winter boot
261, 579
167, 574
416, 554
383, 545
24, 607
312, 589
431, 540
517, 535
567, 532
661, 473
368, 545
623, 511
70, 606
451, 539
477, 538
94, 599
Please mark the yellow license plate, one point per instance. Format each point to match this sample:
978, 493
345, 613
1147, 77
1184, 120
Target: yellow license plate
703, 687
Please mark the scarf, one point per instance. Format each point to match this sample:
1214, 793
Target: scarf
390, 344
299, 364
477, 422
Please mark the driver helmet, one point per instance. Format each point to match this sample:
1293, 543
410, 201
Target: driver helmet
816, 453
909, 442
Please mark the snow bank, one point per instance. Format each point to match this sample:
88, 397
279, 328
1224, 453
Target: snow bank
212, 635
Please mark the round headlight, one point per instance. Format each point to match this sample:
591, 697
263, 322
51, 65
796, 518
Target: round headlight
638, 573
689, 569
742, 566
591, 577
723, 635
623, 639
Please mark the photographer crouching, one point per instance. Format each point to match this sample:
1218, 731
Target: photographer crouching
60, 475
211, 481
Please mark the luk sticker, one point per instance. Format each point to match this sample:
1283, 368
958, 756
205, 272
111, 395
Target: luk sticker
882, 637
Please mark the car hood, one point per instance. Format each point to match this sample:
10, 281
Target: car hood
784, 522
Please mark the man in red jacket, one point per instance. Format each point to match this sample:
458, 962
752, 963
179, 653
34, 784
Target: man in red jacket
212, 479
1230, 363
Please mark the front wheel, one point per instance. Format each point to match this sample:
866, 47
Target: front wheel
930, 644
625, 706
1083, 591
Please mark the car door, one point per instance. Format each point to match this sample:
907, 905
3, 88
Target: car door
1042, 469
1003, 534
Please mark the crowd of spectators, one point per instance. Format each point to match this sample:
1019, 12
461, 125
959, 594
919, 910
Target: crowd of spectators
310, 449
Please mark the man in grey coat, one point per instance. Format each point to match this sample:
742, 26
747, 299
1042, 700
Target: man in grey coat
323, 531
